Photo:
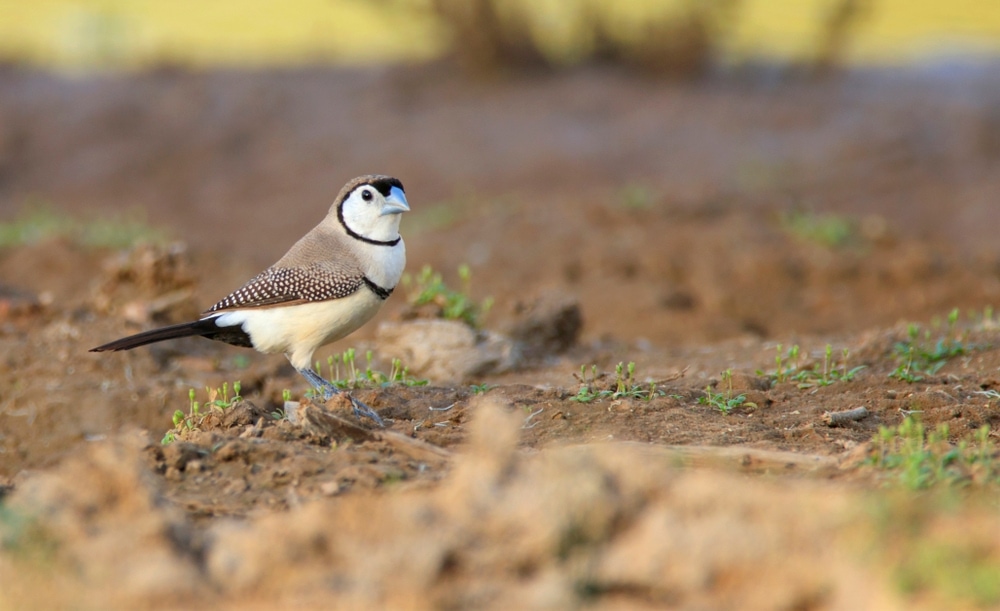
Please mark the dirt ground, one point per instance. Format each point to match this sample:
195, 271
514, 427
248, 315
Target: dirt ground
690, 226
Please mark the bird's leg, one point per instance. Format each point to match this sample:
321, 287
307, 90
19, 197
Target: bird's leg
328, 390
360, 409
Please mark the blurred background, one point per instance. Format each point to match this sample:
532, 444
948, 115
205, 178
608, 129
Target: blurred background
706, 184
668, 148
660, 35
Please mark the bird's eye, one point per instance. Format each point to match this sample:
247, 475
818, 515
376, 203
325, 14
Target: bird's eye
367, 195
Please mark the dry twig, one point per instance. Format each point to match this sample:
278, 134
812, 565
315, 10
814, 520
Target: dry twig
839, 418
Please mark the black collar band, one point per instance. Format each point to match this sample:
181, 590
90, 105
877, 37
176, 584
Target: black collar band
358, 236
381, 292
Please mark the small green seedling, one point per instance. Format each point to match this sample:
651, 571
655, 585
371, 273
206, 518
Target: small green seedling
828, 230
354, 378
279, 413
920, 355
218, 399
39, 222
919, 459
905, 371
478, 389
786, 364
636, 197
588, 392
788, 368
725, 402
428, 288
829, 373
625, 386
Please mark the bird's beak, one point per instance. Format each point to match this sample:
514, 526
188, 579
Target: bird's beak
396, 202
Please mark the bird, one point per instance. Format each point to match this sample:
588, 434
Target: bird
329, 283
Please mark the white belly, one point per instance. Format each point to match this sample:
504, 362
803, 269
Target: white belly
299, 330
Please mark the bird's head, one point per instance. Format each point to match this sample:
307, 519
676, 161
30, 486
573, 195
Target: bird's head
369, 208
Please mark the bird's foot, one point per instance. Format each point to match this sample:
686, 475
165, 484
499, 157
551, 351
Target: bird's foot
329, 390
360, 409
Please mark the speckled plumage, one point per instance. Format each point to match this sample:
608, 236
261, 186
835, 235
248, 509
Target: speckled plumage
280, 285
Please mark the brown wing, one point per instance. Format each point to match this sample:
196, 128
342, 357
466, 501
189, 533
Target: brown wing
289, 285
317, 268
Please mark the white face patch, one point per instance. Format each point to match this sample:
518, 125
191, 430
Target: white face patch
363, 214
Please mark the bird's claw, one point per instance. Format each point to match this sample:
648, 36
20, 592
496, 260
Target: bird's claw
329, 390
360, 409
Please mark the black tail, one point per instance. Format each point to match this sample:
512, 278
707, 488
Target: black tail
185, 329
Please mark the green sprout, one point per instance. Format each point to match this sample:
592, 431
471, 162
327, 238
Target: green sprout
626, 386
39, 222
218, 399
788, 369
726, 401
478, 389
921, 459
428, 288
829, 230
352, 377
830, 371
920, 355
785, 364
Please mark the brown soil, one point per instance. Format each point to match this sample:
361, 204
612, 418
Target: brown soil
661, 209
